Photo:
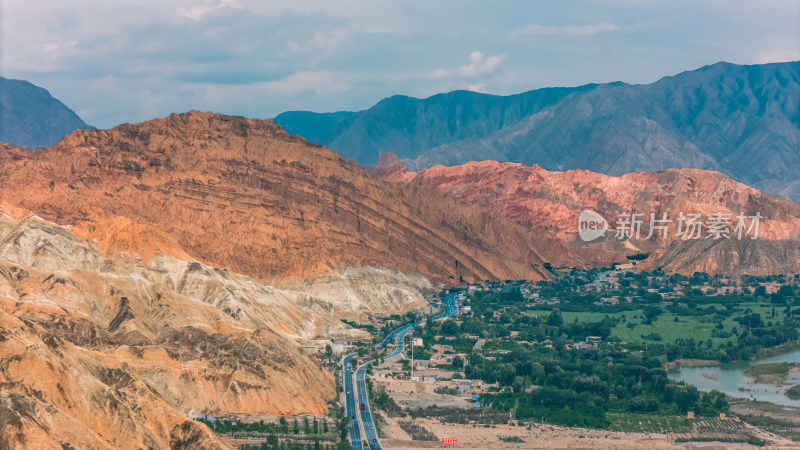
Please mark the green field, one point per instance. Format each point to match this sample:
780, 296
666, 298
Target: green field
697, 327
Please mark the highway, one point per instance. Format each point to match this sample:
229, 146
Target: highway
450, 309
450, 306
396, 332
350, 406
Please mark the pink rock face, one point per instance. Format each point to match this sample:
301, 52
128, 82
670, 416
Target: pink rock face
552, 202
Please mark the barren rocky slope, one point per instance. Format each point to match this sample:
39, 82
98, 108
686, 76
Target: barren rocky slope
246, 195
552, 201
104, 350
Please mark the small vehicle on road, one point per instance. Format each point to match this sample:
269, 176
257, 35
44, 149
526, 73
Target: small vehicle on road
363, 407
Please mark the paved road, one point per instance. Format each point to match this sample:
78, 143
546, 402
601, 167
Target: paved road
361, 387
450, 309
396, 332
350, 406
450, 306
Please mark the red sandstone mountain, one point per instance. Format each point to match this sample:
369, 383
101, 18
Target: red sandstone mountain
552, 201
134, 265
245, 194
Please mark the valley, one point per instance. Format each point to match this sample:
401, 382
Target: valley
513, 400
483, 240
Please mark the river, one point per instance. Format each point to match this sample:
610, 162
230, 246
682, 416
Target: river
728, 378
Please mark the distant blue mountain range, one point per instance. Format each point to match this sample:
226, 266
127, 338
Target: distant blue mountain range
30, 117
743, 121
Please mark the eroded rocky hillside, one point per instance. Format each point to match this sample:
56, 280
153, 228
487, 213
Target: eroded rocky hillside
246, 195
552, 201
105, 350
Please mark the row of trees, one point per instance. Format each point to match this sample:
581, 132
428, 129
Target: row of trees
225, 426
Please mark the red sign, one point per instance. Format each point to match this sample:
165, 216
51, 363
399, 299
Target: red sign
449, 441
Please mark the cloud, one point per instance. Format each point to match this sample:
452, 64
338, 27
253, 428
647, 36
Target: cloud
477, 87
129, 61
318, 82
478, 65
197, 12
60, 45
321, 41
570, 30
778, 55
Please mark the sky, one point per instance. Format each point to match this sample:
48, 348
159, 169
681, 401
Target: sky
128, 61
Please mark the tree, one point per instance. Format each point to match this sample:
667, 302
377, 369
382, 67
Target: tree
328, 350
519, 384
450, 327
296, 427
650, 313
343, 424
284, 425
555, 319
777, 298
673, 352
686, 398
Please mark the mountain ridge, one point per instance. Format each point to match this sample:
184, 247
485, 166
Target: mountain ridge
353, 129
30, 117
743, 121
315, 209
553, 201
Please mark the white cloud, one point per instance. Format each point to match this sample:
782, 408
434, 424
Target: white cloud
570, 30
60, 45
477, 87
478, 65
320, 41
174, 55
197, 12
318, 82
778, 55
